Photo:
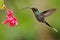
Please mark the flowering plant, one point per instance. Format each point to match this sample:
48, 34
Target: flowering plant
10, 19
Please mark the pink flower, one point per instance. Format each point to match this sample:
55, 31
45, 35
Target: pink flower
9, 13
10, 19
12, 22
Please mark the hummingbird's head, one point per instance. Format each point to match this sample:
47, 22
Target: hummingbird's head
34, 9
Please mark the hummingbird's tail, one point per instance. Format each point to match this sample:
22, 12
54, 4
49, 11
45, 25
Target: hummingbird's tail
51, 26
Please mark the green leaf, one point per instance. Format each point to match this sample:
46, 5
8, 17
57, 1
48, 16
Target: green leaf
1, 4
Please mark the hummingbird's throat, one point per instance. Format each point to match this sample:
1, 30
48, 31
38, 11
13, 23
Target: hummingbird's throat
37, 12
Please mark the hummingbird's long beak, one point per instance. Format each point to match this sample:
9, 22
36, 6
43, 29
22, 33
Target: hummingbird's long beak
27, 8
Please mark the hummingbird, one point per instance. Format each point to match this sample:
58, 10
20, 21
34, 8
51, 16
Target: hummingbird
40, 16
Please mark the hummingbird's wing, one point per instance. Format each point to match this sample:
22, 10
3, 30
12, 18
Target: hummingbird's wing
48, 12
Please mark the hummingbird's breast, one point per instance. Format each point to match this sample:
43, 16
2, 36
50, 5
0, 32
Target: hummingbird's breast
40, 18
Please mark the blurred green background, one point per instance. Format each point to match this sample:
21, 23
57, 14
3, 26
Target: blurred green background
29, 28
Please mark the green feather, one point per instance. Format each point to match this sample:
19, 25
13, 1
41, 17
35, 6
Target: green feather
37, 13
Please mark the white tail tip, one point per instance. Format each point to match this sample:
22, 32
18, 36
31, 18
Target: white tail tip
55, 30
